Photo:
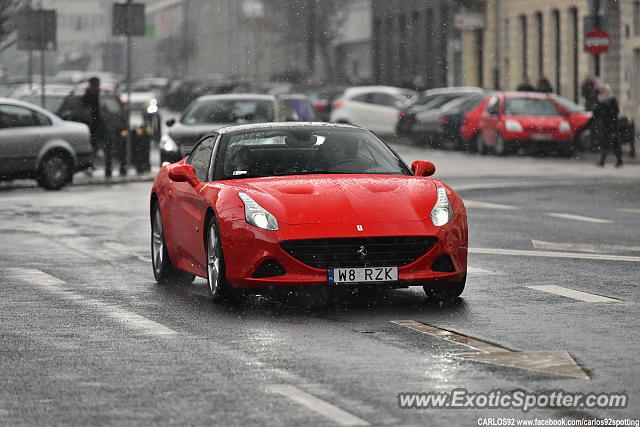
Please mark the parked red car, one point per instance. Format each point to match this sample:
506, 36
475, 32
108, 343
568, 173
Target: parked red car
281, 205
529, 120
470, 128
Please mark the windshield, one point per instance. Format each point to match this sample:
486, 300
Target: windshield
229, 111
319, 150
530, 107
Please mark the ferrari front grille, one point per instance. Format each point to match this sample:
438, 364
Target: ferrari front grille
359, 252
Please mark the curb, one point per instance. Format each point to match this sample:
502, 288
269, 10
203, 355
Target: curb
81, 180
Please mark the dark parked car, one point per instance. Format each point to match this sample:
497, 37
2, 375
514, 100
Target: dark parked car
34, 143
211, 112
181, 94
441, 126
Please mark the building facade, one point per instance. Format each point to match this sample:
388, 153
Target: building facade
415, 42
546, 38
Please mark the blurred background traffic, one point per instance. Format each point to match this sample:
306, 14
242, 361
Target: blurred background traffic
481, 76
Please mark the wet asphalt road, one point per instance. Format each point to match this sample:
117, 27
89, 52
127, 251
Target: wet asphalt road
88, 338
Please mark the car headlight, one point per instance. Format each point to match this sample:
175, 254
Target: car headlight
564, 126
168, 144
152, 107
256, 215
442, 211
513, 125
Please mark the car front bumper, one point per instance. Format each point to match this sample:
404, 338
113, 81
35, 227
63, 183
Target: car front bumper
246, 249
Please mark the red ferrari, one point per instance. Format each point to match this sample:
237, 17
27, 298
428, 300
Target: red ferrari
285, 205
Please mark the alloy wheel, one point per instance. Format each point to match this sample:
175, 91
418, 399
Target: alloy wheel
213, 262
157, 241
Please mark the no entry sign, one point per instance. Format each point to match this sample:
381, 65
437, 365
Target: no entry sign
596, 41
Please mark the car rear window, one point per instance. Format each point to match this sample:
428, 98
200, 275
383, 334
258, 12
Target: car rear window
229, 111
530, 107
51, 102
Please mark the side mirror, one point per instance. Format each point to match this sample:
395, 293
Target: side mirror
423, 168
170, 122
183, 173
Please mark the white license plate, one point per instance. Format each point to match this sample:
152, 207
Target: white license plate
541, 137
362, 275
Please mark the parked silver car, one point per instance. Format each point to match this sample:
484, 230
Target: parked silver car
35, 143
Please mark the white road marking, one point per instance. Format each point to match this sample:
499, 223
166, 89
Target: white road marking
473, 343
549, 254
572, 293
629, 210
555, 362
319, 406
119, 247
479, 271
489, 185
579, 218
487, 205
582, 247
60, 289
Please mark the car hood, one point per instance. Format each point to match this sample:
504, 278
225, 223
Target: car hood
343, 198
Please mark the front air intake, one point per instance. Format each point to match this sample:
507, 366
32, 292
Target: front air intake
269, 268
443, 264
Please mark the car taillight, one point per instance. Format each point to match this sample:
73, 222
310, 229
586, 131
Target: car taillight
402, 114
320, 107
338, 104
444, 120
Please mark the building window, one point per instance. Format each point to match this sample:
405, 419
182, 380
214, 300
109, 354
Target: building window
635, 96
636, 18
444, 45
573, 22
540, 42
402, 48
377, 50
429, 47
414, 46
525, 46
558, 48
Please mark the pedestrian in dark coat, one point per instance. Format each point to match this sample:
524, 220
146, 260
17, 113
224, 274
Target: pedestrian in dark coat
606, 126
589, 89
544, 85
91, 101
526, 86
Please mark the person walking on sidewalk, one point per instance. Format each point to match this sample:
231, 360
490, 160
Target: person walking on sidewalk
91, 101
606, 126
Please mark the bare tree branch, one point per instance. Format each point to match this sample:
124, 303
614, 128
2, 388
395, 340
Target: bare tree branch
8, 9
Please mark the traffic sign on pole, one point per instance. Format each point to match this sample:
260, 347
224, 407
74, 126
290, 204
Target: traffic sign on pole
597, 41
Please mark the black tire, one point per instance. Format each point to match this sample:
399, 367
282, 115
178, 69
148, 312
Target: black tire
163, 269
446, 291
503, 148
482, 148
55, 171
472, 144
219, 288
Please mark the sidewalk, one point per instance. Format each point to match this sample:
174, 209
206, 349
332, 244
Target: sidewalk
82, 178
97, 177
